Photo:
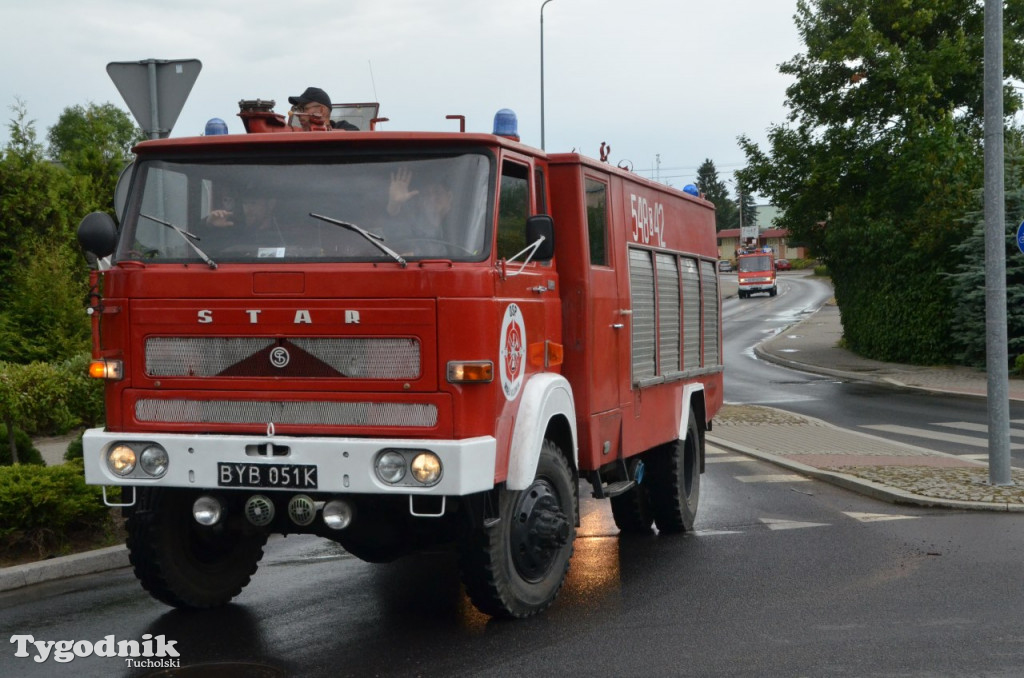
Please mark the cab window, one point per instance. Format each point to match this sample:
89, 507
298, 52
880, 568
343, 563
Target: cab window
513, 208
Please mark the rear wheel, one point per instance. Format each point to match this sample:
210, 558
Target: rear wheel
185, 564
516, 566
632, 510
674, 480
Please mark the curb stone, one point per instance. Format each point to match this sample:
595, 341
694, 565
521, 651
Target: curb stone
100, 560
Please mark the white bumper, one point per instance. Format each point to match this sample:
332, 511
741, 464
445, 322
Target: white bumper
757, 287
343, 465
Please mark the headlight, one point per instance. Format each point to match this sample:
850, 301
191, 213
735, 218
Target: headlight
154, 460
426, 468
121, 460
391, 467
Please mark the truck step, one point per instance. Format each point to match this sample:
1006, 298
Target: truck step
609, 490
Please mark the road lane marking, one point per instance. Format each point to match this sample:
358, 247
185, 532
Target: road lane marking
734, 458
774, 478
877, 517
776, 524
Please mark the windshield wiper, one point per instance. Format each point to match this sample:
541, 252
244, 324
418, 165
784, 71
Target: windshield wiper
372, 238
185, 235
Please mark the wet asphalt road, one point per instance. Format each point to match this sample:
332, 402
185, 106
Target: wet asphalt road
783, 577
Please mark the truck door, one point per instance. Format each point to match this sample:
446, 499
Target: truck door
610, 323
532, 289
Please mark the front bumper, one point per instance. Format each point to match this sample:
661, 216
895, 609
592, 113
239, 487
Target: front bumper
344, 465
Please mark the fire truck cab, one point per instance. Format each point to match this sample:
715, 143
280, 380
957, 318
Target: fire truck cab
392, 340
755, 272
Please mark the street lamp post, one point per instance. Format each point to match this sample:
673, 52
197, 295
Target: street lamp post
542, 73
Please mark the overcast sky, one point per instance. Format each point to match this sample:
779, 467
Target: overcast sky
672, 78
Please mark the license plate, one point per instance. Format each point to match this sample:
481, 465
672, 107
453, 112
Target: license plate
284, 476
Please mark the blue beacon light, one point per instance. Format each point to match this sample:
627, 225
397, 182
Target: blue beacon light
506, 124
216, 126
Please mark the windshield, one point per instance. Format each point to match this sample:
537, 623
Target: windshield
758, 263
280, 210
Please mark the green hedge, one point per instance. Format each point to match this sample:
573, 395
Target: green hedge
27, 453
43, 507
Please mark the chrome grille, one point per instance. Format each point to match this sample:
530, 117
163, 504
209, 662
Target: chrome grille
353, 357
286, 412
198, 356
395, 358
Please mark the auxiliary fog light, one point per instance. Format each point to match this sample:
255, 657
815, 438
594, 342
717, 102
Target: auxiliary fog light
154, 460
391, 467
121, 460
426, 468
207, 510
337, 514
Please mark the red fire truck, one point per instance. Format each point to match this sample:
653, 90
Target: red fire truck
394, 340
755, 272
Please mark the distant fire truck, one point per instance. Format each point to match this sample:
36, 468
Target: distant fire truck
394, 340
755, 272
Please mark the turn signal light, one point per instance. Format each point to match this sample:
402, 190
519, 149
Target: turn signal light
106, 369
473, 371
546, 354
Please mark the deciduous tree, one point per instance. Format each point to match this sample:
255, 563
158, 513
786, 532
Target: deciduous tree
876, 165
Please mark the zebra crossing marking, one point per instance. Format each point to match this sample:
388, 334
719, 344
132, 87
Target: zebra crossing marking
934, 435
976, 428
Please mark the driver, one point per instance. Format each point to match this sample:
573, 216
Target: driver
419, 214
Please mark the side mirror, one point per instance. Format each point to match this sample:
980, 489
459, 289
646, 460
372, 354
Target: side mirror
97, 234
541, 225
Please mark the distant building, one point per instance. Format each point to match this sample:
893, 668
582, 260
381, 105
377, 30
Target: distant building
776, 238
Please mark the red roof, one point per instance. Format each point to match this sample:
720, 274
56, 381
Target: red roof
767, 233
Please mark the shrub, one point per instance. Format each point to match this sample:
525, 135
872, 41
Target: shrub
44, 507
50, 398
75, 449
85, 394
27, 453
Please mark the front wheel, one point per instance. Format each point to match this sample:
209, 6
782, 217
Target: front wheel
515, 566
182, 563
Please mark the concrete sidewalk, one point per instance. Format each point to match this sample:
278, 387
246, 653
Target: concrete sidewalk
868, 464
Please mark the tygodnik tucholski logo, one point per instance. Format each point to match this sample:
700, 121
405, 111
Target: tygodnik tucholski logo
150, 652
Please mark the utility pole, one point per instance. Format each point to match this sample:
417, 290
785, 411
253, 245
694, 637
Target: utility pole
996, 351
542, 73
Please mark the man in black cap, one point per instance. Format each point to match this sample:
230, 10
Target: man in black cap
315, 102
